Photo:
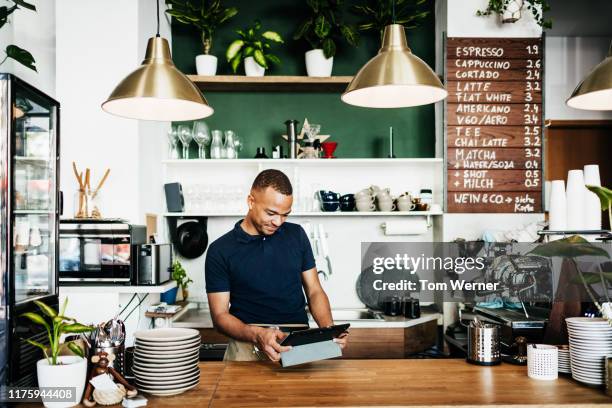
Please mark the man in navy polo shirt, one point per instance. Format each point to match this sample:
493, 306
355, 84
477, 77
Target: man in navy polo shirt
255, 274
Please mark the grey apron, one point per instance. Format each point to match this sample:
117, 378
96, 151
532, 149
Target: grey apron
245, 351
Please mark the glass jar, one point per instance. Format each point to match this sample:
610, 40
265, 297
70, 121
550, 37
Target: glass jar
87, 205
216, 146
230, 145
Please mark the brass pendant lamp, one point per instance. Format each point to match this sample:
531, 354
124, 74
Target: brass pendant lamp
395, 77
157, 90
595, 91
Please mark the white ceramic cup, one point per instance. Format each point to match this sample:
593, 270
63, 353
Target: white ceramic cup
386, 205
405, 205
365, 206
364, 197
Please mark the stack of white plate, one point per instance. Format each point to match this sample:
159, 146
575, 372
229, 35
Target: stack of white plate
564, 359
166, 360
590, 341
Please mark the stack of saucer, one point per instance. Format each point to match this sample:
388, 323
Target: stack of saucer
564, 359
590, 341
166, 360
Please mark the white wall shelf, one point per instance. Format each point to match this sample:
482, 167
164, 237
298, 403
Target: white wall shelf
301, 162
317, 214
118, 288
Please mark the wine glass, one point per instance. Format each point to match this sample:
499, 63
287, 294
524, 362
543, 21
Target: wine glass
185, 135
172, 143
201, 135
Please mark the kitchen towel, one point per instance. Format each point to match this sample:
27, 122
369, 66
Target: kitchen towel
592, 206
557, 215
413, 226
575, 200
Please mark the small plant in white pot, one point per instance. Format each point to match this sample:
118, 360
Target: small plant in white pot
253, 47
320, 30
57, 370
205, 16
510, 11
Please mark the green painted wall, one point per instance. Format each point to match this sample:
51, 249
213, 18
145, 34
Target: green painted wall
258, 117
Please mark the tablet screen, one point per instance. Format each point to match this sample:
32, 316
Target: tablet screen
300, 337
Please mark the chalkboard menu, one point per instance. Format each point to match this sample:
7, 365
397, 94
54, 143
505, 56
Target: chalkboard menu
494, 125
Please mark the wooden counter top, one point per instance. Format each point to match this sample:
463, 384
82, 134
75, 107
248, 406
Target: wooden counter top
451, 382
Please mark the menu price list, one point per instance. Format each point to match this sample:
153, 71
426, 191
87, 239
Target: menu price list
494, 125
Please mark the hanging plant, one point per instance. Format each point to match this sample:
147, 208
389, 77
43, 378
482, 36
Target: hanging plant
377, 14
510, 10
12, 51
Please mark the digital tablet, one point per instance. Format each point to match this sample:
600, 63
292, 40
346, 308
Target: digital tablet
300, 337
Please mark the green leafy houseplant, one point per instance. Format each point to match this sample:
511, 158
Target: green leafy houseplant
536, 7
180, 276
252, 43
574, 247
56, 324
12, 51
204, 15
377, 14
324, 25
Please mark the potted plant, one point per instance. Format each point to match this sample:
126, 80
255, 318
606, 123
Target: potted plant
180, 276
377, 14
320, 29
205, 16
509, 11
12, 51
253, 48
57, 370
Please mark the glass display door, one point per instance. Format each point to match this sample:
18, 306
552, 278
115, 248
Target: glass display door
33, 196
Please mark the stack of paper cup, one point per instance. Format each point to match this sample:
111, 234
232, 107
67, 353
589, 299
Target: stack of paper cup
592, 206
557, 215
575, 200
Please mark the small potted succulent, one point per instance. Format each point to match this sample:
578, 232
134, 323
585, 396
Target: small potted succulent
57, 370
321, 29
205, 16
253, 47
377, 14
180, 276
510, 11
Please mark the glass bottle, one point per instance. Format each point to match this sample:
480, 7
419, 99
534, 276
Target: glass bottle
230, 147
216, 146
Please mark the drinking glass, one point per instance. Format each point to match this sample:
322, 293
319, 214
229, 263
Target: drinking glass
184, 133
216, 146
172, 143
237, 145
230, 148
201, 135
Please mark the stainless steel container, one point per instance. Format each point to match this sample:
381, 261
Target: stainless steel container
119, 352
292, 137
483, 344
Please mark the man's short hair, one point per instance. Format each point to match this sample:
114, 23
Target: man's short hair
275, 179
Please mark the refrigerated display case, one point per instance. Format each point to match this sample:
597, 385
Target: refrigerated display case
29, 191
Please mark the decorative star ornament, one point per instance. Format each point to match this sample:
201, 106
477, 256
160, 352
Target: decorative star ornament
302, 135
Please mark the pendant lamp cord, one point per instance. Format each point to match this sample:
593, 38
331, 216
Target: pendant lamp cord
393, 11
157, 5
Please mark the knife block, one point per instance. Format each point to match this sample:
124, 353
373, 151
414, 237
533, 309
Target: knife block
307, 353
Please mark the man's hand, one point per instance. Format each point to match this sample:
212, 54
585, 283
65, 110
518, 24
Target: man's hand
342, 340
267, 340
